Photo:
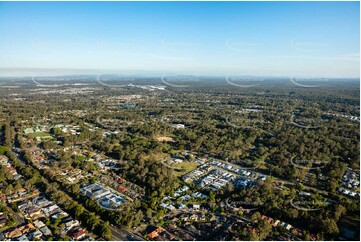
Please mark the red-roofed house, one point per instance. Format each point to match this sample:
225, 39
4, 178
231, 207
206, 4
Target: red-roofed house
78, 234
155, 233
122, 189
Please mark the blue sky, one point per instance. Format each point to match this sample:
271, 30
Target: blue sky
209, 38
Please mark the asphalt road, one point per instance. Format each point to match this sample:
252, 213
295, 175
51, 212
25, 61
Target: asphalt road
121, 234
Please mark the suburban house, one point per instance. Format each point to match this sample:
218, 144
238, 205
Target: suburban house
78, 234
13, 233
46, 231
26, 228
36, 234
155, 233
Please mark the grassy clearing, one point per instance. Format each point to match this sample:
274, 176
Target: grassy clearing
186, 167
155, 156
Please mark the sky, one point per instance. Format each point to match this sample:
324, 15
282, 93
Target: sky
319, 39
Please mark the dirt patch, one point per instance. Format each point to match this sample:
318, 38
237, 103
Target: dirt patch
164, 139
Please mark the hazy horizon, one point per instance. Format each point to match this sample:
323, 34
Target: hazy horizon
15, 73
